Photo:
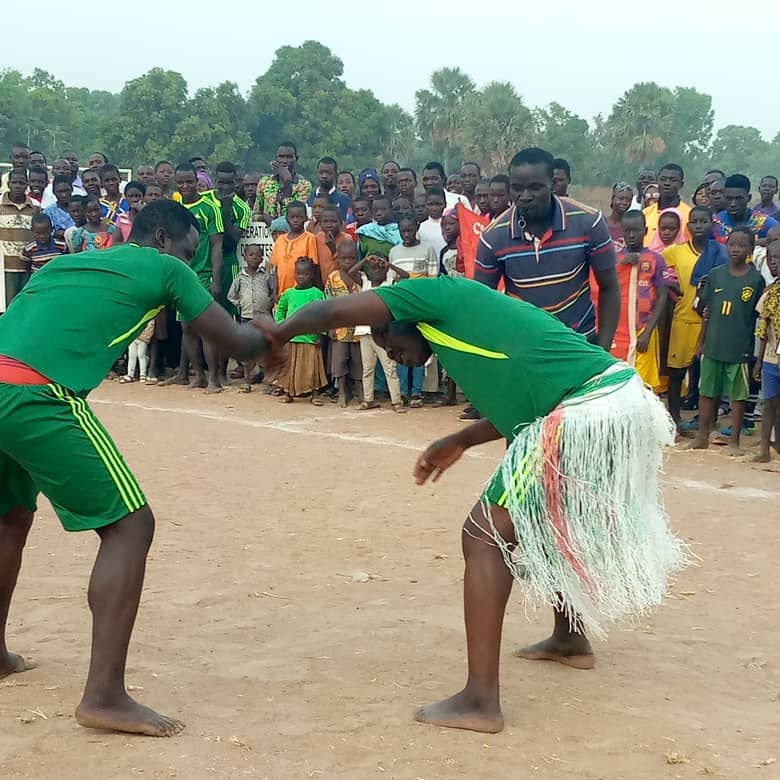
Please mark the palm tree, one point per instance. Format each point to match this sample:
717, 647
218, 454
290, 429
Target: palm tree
439, 110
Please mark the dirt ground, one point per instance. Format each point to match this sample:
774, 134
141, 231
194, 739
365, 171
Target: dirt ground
253, 631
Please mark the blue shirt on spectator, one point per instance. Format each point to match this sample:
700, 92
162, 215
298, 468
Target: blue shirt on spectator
339, 198
60, 219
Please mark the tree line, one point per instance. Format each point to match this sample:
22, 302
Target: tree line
303, 97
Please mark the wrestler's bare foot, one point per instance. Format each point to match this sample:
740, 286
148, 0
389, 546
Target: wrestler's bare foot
734, 451
176, 379
129, 716
762, 457
575, 652
200, 381
463, 711
214, 387
11, 663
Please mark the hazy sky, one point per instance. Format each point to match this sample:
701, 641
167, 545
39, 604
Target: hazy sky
583, 55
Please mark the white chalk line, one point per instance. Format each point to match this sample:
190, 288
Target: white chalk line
301, 427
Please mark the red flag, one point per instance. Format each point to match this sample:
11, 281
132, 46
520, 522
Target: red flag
471, 226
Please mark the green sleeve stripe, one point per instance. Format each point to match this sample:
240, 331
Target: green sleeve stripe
125, 482
150, 315
435, 336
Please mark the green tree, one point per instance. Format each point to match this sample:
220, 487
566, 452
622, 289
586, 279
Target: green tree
496, 125
150, 109
737, 148
439, 112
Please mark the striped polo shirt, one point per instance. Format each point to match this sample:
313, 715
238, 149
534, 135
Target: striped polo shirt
550, 272
15, 232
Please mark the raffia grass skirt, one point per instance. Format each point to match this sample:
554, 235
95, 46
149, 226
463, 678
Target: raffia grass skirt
306, 371
581, 487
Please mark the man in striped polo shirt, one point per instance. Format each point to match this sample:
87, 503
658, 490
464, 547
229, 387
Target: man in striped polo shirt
545, 247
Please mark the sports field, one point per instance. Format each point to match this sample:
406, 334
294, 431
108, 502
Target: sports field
303, 597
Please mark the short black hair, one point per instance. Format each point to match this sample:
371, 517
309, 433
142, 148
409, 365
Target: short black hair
737, 181
387, 162
76, 198
306, 262
559, 164
476, 165
289, 145
673, 167
501, 178
332, 208
136, 185
162, 162
17, 172
91, 199
533, 155
296, 204
406, 217
39, 169
718, 171
436, 191
36, 151
61, 178
196, 158
769, 176
435, 166
634, 214
328, 161
102, 154
188, 167
702, 209
410, 170
108, 168
164, 214
322, 196
348, 173
40, 218
744, 231
360, 199
379, 198
226, 167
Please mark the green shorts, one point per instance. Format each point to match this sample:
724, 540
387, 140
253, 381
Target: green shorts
52, 443
719, 379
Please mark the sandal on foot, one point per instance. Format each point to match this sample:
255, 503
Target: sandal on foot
126, 380
416, 402
245, 388
399, 408
366, 405
316, 401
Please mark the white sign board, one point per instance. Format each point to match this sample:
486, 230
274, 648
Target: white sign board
257, 233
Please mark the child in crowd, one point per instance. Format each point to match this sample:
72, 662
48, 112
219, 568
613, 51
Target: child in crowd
292, 245
730, 295
376, 270
135, 192
643, 277
253, 293
482, 196
381, 235
671, 230
76, 209
686, 321
361, 210
279, 227
430, 230
328, 240
345, 362
767, 370
306, 371
97, 233
320, 202
58, 212
419, 209
418, 260
138, 355
401, 206
450, 261
44, 247
455, 183
153, 192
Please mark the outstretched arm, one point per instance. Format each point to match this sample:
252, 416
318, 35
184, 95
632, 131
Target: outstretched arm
243, 342
363, 309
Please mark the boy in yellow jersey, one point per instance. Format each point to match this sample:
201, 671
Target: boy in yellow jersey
207, 264
58, 340
686, 321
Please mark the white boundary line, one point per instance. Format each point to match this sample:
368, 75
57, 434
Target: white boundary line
301, 427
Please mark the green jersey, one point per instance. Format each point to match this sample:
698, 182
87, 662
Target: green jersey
294, 299
513, 361
732, 303
240, 217
209, 216
75, 317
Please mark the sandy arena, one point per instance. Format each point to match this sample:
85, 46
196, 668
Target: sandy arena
303, 597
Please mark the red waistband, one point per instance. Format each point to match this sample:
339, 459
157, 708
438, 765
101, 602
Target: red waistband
12, 372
